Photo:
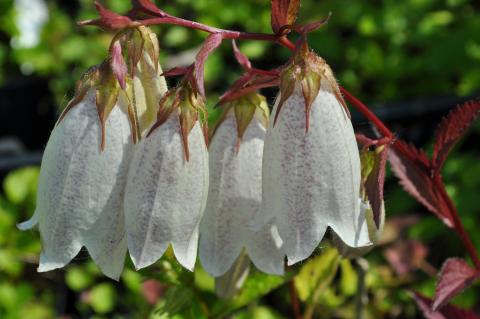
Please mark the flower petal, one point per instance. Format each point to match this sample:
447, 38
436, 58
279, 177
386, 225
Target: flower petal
32, 222
311, 180
234, 199
78, 182
166, 195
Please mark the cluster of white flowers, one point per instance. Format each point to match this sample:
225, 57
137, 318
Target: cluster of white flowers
269, 188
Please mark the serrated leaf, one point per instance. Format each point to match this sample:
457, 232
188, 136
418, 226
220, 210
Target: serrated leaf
284, 13
211, 43
411, 166
317, 274
447, 312
451, 129
454, 277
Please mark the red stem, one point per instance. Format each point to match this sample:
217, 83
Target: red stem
294, 300
227, 34
458, 225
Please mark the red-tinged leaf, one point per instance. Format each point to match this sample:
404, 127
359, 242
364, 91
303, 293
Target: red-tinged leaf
241, 58
148, 6
210, 44
451, 129
176, 71
406, 256
284, 13
447, 312
108, 19
455, 276
247, 84
411, 166
310, 27
117, 63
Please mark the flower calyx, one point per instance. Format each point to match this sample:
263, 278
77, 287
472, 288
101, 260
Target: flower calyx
190, 107
311, 73
245, 108
130, 51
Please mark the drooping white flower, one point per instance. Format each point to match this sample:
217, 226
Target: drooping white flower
311, 164
80, 191
167, 187
235, 197
83, 175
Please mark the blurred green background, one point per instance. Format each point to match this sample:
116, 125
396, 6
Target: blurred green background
417, 58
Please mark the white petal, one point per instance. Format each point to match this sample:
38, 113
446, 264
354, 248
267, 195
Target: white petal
265, 249
78, 183
29, 224
234, 199
312, 179
166, 195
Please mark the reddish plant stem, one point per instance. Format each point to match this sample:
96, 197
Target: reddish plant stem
453, 213
294, 300
226, 34
458, 225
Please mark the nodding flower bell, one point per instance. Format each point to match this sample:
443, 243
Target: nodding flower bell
84, 168
311, 164
235, 193
80, 191
168, 182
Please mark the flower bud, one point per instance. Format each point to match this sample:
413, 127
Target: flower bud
235, 192
168, 184
81, 187
311, 164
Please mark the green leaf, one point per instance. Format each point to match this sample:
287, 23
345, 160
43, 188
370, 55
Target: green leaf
21, 185
103, 298
349, 278
317, 274
77, 278
177, 299
256, 286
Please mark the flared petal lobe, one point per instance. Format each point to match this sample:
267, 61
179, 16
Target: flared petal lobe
234, 199
80, 191
166, 194
311, 179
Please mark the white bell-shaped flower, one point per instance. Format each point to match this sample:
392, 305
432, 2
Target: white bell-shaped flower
234, 199
166, 194
311, 172
81, 187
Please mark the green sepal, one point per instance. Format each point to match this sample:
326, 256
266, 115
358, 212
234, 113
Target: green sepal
106, 97
88, 81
